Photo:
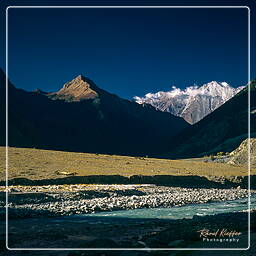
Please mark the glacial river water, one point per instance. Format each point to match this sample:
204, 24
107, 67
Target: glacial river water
179, 212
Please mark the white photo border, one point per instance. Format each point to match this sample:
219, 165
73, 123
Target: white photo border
129, 249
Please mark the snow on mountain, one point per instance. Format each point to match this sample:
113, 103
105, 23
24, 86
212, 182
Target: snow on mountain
194, 102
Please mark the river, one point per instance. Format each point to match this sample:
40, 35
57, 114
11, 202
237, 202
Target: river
180, 212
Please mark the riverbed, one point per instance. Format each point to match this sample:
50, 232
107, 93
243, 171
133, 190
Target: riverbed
52, 200
173, 223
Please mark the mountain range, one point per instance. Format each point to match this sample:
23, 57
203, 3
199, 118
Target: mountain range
81, 117
221, 131
194, 102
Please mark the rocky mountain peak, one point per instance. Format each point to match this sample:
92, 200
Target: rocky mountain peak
192, 103
76, 83
76, 90
78, 78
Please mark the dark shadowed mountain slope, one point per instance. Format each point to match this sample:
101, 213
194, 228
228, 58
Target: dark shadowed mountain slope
226, 125
84, 118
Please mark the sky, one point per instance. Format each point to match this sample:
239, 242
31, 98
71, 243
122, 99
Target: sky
127, 51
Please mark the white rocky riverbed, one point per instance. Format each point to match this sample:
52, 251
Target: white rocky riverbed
60, 200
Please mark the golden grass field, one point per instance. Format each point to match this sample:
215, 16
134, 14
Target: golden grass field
37, 164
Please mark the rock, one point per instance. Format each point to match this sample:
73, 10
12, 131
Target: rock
176, 243
142, 243
240, 155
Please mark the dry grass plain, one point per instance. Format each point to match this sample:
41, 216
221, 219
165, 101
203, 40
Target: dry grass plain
36, 164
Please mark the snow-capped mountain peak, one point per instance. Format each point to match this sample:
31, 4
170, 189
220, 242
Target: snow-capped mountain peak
194, 102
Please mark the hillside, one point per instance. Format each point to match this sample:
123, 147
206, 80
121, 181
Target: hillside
240, 155
227, 125
81, 117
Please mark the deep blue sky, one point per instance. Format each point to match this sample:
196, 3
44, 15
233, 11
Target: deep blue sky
127, 51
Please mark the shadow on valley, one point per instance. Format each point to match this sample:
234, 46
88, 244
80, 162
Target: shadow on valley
164, 180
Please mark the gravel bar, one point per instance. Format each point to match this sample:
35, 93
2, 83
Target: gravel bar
60, 200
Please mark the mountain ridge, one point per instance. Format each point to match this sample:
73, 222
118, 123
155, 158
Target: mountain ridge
227, 124
102, 124
194, 102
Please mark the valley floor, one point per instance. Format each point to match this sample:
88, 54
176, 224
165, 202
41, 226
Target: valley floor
37, 164
45, 187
